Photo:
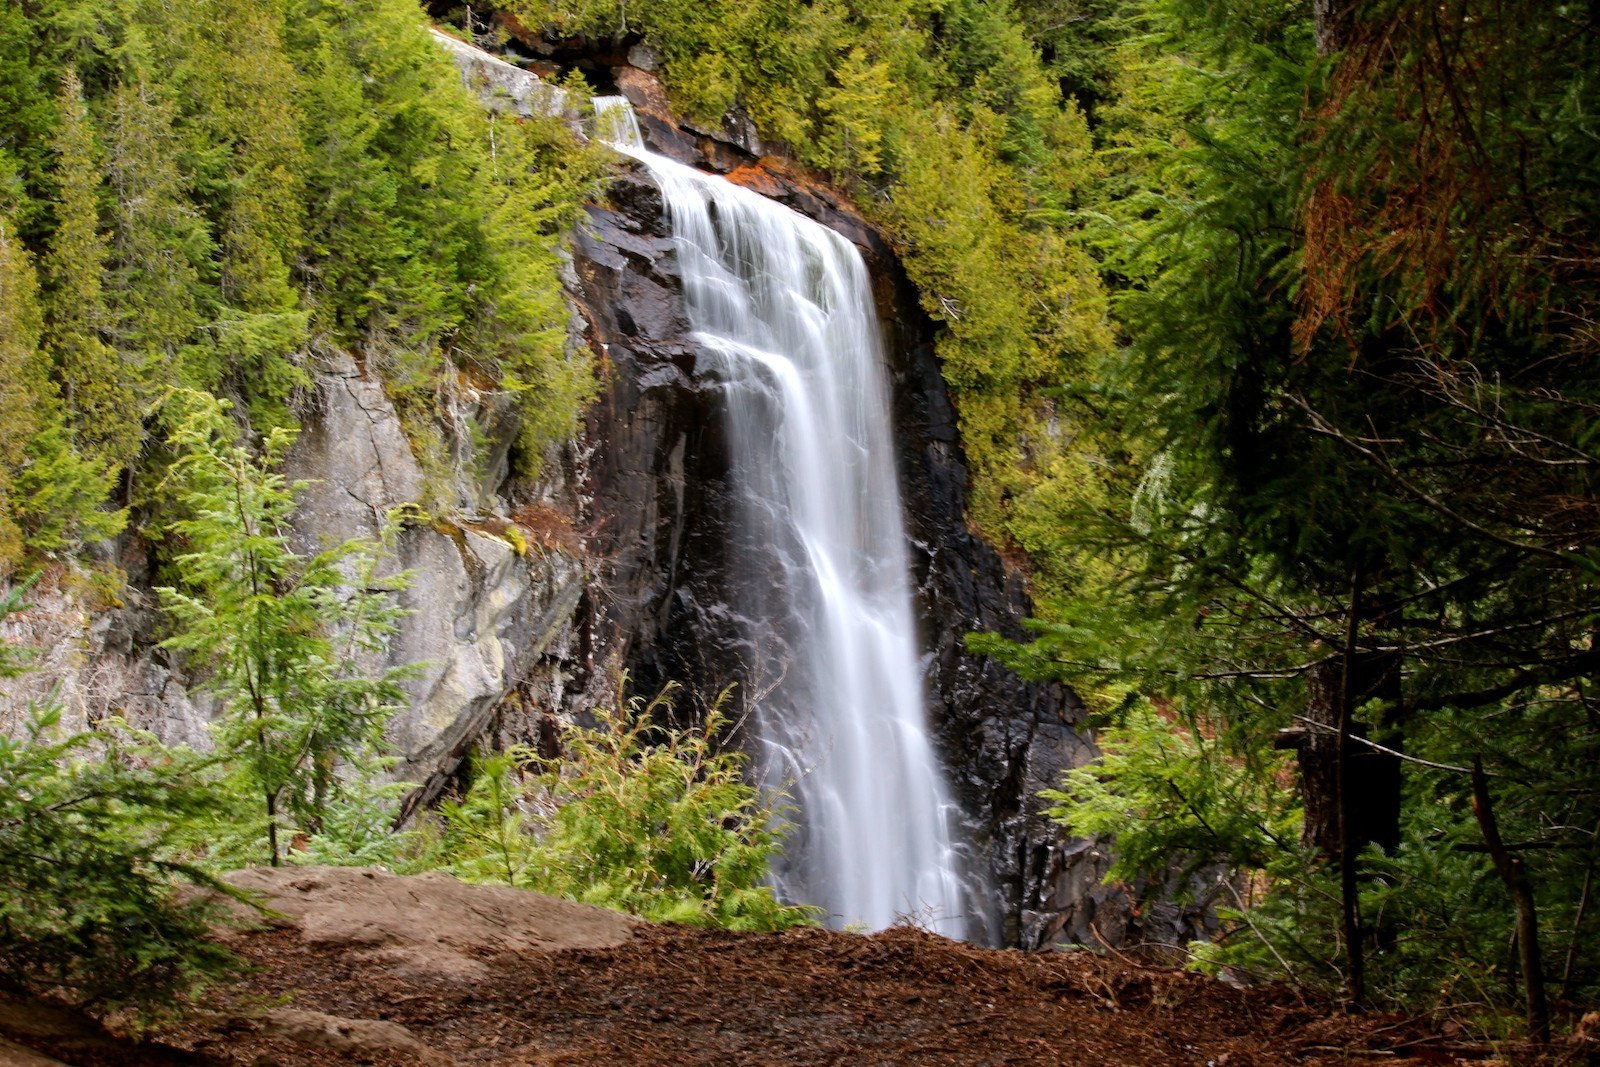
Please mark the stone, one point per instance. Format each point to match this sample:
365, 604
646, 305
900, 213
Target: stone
478, 612
501, 85
644, 57
360, 1040
427, 926
483, 618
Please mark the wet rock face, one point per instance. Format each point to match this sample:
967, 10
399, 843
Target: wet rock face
658, 474
661, 500
1005, 738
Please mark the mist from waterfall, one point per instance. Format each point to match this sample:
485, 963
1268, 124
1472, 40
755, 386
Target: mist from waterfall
783, 318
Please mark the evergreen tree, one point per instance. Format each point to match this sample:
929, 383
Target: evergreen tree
93, 900
97, 384
159, 245
95, 903
1357, 508
19, 381
288, 639
50, 497
250, 156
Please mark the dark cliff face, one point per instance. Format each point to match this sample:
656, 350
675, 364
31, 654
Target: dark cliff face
660, 501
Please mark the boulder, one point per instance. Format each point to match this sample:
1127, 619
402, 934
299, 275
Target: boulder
427, 926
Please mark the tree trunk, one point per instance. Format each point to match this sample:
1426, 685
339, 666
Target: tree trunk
272, 827
1374, 777
1515, 876
1351, 791
1332, 22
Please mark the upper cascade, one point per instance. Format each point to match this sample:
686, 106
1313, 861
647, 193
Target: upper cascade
783, 319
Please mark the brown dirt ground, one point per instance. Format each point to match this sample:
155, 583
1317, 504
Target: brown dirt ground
643, 994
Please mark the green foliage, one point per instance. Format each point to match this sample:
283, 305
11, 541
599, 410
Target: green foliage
14, 659
435, 224
637, 817
536, 180
159, 243
357, 828
488, 836
59, 496
92, 904
50, 496
89, 899
1172, 798
288, 639
1339, 432
1442, 904
215, 192
96, 381
20, 326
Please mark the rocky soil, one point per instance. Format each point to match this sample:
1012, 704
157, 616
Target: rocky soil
368, 967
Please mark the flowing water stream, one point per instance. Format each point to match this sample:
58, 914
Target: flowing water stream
782, 313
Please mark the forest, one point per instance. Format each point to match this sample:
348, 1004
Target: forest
1264, 321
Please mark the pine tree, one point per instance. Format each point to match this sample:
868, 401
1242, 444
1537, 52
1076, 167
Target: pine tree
90, 901
159, 241
287, 638
97, 384
246, 87
20, 326
50, 497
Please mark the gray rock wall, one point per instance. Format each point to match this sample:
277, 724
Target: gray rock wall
486, 617
481, 612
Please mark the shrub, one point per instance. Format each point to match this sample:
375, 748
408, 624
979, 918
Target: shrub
638, 817
91, 904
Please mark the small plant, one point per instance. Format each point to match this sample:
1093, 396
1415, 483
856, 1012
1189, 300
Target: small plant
90, 905
1173, 798
638, 817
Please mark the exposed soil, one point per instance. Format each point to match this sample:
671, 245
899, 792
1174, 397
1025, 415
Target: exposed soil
375, 968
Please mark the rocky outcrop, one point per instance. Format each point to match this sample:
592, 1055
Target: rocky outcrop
480, 610
96, 659
501, 85
489, 609
658, 473
430, 925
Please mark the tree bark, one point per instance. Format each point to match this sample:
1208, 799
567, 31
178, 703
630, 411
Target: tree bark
272, 827
1332, 24
1374, 777
1515, 876
1351, 792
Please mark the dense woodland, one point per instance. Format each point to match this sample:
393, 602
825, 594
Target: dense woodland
1271, 326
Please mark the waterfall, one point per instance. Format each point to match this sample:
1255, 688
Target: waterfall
783, 319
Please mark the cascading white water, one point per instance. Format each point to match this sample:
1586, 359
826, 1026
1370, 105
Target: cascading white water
782, 315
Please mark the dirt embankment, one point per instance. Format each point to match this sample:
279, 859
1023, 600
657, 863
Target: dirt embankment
369, 967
